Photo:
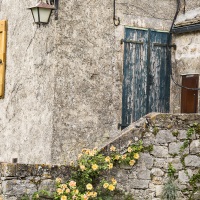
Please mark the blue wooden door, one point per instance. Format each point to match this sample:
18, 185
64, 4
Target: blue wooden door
146, 82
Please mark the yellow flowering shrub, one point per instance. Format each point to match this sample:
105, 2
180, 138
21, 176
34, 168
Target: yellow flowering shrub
87, 181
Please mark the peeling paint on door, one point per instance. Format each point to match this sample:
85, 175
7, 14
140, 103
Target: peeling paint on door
146, 84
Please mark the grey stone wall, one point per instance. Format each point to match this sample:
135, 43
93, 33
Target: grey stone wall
167, 133
144, 180
64, 80
19, 180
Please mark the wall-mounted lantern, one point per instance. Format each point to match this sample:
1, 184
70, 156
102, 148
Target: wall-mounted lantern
42, 11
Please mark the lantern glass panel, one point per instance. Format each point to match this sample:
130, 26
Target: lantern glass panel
44, 15
35, 14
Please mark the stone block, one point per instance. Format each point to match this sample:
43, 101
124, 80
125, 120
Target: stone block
144, 174
138, 184
158, 190
18, 187
176, 162
7, 169
195, 147
174, 148
23, 170
157, 180
160, 151
157, 172
48, 185
164, 136
192, 161
182, 176
182, 134
160, 163
145, 161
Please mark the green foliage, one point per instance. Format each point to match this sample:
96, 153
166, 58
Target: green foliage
148, 148
171, 170
42, 193
25, 197
194, 181
195, 184
175, 133
169, 190
155, 130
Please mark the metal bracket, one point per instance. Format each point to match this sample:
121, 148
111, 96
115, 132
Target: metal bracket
116, 20
131, 41
55, 3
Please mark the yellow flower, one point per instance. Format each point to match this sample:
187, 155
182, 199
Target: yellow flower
76, 191
110, 166
124, 156
112, 148
107, 159
132, 162
89, 194
117, 157
58, 180
59, 191
37, 196
85, 197
111, 187
87, 151
84, 150
71, 163
129, 149
89, 186
80, 155
136, 156
67, 190
95, 167
94, 194
72, 184
82, 167
114, 181
64, 186
105, 185
63, 197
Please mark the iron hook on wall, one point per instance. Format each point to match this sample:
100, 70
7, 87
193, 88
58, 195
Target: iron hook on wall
116, 20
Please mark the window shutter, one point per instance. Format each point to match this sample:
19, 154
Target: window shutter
3, 34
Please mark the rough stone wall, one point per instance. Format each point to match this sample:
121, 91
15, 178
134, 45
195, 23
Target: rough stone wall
144, 180
64, 80
19, 180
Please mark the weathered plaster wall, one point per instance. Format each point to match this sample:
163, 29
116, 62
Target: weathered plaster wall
64, 80
185, 59
144, 180
88, 85
27, 109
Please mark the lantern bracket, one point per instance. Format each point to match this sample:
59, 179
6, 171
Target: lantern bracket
55, 3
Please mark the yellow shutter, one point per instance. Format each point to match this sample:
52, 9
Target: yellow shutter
3, 34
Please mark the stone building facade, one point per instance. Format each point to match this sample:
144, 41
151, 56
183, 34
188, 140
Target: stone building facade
63, 88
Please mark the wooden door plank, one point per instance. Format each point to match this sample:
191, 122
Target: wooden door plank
189, 98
